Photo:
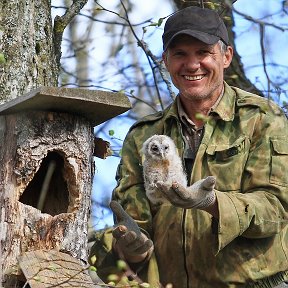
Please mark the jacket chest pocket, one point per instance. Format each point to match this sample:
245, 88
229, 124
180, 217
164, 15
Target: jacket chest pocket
227, 162
279, 159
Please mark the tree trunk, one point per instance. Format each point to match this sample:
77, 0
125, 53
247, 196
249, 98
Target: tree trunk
46, 157
26, 42
31, 144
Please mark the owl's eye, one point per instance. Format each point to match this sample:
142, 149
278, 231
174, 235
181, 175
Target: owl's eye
154, 148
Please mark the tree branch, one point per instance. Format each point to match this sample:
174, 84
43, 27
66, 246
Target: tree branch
61, 22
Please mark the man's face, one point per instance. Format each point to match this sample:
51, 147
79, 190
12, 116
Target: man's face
196, 68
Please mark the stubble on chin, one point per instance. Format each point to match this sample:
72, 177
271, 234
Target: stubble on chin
191, 95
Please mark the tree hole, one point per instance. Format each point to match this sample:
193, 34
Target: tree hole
48, 191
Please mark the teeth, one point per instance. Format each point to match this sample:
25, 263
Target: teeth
191, 78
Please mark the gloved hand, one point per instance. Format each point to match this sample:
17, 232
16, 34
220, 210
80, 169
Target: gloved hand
134, 244
200, 195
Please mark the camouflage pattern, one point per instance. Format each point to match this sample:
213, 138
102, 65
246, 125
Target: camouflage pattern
245, 145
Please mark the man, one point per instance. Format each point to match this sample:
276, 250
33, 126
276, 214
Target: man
240, 237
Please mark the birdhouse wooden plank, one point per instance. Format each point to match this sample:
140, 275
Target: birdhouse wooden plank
44, 268
95, 105
46, 156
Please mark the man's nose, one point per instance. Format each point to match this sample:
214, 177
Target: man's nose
192, 63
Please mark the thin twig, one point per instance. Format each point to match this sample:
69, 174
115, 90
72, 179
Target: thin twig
202, 3
149, 56
161, 68
105, 21
46, 183
269, 81
252, 19
143, 47
262, 45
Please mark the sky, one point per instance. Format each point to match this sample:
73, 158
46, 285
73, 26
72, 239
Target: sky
247, 44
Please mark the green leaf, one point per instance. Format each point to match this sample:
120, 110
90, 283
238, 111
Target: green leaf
93, 259
200, 116
122, 91
113, 278
121, 265
153, 24
119, 48
2, 58
144, 285
111, 132
37, 278
52, 267
211, 5
124, 280
160, 21
234, 76
227, 18
93, 268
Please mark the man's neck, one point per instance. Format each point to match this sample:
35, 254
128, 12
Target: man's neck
197, 110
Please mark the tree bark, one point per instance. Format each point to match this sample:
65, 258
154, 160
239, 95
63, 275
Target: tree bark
29, 143
27, 44
46, 157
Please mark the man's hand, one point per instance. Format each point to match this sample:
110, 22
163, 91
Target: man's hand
200, 195
130, 241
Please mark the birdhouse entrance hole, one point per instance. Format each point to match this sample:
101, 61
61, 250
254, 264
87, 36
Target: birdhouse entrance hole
48, 190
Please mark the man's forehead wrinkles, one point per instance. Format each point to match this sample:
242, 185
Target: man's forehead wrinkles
197, 45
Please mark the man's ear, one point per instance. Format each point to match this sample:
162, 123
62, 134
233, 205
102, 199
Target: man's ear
164, 58
228, 55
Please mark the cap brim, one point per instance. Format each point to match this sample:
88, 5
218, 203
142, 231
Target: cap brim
202, 36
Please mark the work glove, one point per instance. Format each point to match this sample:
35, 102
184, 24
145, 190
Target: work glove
130, 240
200, 195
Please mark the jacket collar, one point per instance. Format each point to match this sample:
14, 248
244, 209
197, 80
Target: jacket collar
225, 108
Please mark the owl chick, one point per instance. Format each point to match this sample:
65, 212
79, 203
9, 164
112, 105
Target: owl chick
161, 163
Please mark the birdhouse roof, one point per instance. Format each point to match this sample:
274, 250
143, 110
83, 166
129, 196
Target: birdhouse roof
96, 105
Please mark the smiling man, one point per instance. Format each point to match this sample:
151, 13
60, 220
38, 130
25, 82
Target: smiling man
228, 230
196, 69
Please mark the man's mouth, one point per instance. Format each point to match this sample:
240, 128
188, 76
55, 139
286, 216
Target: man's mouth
193, 78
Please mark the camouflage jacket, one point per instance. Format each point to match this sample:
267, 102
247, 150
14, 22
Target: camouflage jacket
245, 145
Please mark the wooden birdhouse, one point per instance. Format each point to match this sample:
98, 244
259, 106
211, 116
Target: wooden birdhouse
46, 156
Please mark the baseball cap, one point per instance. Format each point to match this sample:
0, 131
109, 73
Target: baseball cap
201, 23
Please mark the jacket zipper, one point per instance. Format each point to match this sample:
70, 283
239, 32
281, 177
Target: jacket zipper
184, 211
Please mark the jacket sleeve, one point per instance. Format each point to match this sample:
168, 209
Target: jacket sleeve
261, 208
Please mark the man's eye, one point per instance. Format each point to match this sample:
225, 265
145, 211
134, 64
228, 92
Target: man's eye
204, 52
178, 53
